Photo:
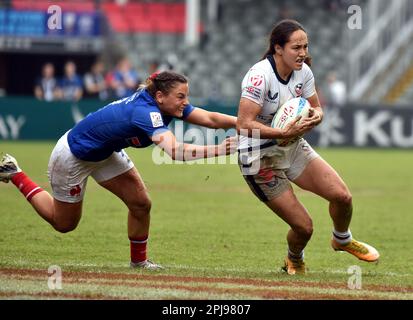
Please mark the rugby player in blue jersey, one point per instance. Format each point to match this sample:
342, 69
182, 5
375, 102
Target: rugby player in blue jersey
94, 147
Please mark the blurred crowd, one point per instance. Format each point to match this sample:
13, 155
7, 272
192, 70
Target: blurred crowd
123, 80
119, 82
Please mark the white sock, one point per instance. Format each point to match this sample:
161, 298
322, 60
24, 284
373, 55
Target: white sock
295, 256
342, 238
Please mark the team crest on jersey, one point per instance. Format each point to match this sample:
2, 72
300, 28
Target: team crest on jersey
299, 89
75, 191
156, 119
257, 80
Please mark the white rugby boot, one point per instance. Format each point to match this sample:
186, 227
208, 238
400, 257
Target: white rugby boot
147, 264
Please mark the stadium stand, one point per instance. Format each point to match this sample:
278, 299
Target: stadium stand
43, 5
402, 92
380, 53
140, 17
229, 46
154, 30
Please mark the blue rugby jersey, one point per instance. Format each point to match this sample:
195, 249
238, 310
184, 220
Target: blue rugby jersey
129, 122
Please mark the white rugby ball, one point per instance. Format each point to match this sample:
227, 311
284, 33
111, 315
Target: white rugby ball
287, 113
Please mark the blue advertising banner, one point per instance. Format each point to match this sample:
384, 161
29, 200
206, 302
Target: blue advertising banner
36, 23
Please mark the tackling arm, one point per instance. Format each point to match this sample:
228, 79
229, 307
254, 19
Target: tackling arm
209, 119
186, 152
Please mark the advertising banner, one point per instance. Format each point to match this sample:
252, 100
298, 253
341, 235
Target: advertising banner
38, 24
351, 126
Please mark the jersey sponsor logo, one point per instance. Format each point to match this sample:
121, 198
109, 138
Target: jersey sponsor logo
272, 97
299, 89
257, 80
156, 119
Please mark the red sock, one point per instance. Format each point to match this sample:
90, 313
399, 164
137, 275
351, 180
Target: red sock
138, 248
26, 185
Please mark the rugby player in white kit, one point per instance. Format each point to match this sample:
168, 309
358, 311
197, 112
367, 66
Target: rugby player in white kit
268, 169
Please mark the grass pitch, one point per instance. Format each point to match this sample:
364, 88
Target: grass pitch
214, 238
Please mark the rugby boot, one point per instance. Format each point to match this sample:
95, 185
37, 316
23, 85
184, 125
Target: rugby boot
358, 249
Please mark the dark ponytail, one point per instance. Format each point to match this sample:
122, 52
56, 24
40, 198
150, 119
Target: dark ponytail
281, 34
163, 81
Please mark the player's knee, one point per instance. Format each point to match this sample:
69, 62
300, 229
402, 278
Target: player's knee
140, 207
344, 198
304, 230
307, 231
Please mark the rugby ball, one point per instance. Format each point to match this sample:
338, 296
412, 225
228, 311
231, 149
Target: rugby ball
287, 113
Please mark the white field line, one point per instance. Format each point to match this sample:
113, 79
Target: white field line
159, 289
271, 271
110, 291
39, 265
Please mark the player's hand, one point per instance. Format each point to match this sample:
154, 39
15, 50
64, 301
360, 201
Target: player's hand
228, 146
315, 116
297, 127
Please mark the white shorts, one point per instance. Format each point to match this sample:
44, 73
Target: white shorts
68, 175
272, 172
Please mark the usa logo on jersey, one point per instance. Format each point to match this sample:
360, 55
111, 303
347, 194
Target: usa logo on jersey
299, 89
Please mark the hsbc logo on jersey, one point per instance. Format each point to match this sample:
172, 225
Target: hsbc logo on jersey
257, 80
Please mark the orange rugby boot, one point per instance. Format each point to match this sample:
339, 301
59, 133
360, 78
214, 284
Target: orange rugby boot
358, 249
293, 267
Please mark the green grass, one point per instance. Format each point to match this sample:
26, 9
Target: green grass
206, 222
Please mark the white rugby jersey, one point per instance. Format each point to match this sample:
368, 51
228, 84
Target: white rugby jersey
264, 86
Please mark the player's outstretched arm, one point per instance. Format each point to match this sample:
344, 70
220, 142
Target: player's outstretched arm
186, 152
214, 120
